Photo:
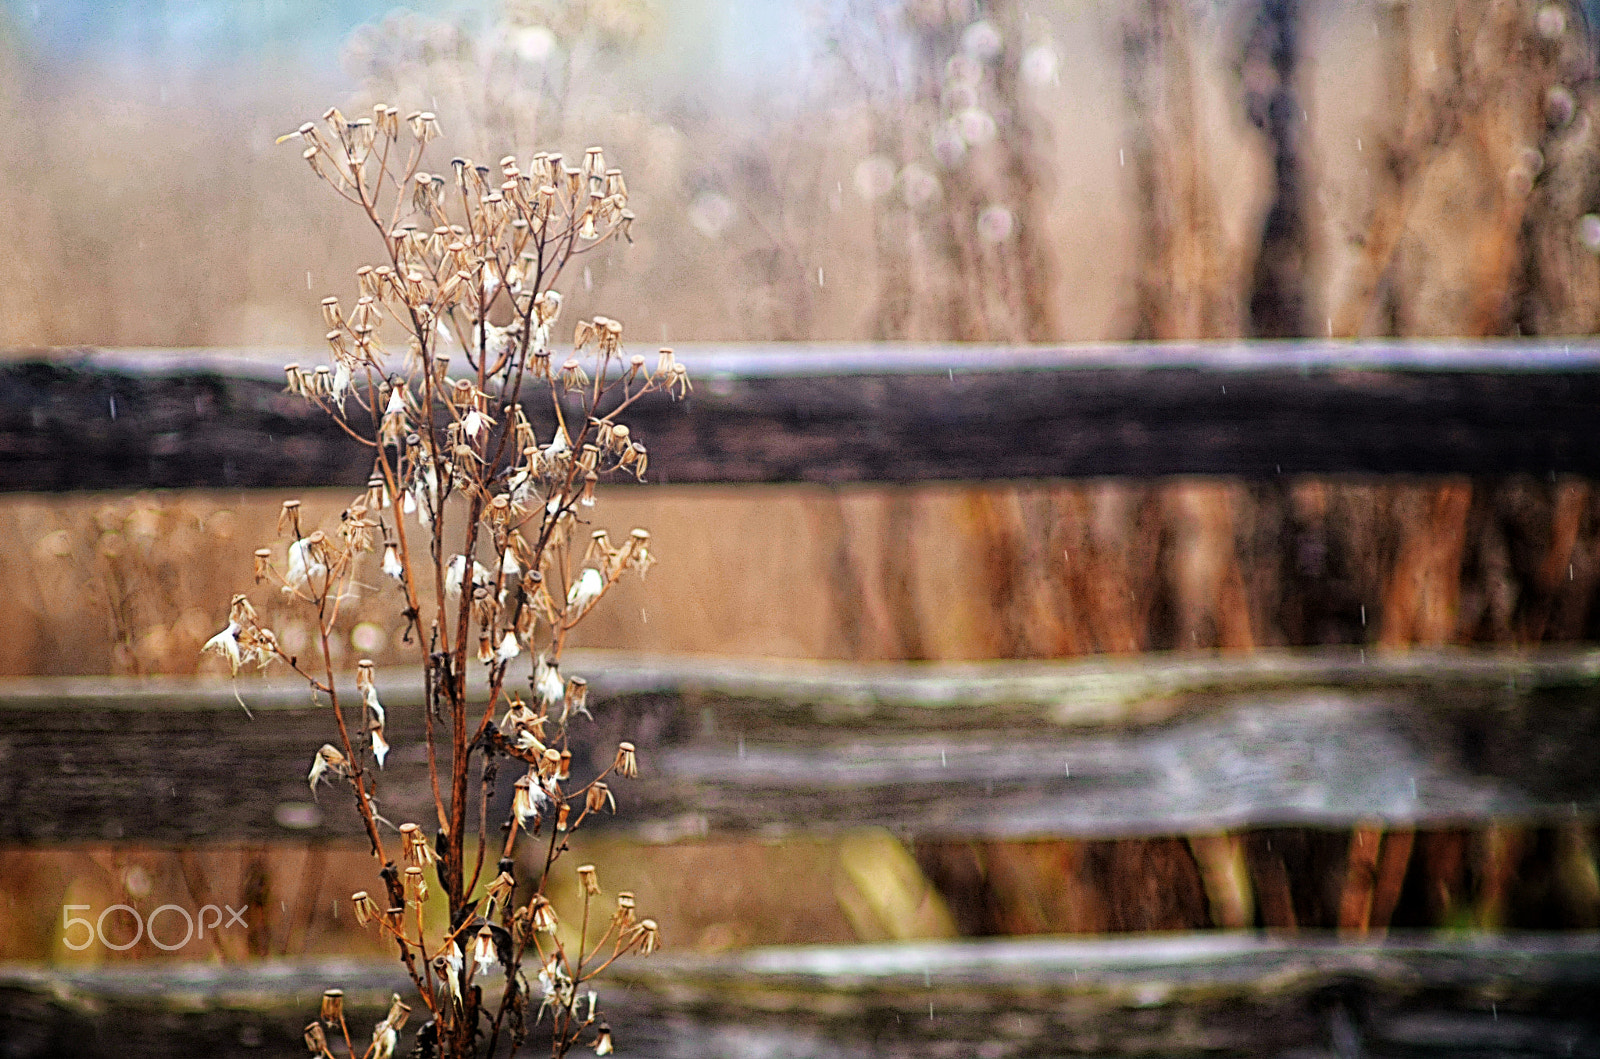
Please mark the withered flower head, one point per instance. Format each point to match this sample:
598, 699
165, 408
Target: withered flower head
483, 953
500, 889
332, 1005
416, 847
591, 881
543, 914
366, 908
600, 797
577, 700
623, 917
416, 885
399, 1012
289, 517
526, 800
646, 937
328, 760
627, 763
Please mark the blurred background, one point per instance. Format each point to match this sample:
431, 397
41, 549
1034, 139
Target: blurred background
864, 169
1011, 171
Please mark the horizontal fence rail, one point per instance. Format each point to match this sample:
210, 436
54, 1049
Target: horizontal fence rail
1182, 995
105, 419
1156, 745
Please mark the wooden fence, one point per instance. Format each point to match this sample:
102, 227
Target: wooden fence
1374, 743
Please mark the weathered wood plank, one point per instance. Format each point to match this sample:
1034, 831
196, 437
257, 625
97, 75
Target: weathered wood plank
1182, 995
1114, 748
99, 419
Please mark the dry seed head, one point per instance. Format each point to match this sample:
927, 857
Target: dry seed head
316, 1039
543, 914
289, 518
577, 697
366, 908
416, 886
422, 192
599, 797
549, 763
627, 763
572, 374
623, 917
399, 1012
263, 561
500, 889
424, 126
293, 381
564, 769
240, 610
599, 551
332, 1005
679, 385
483, 952
648, 937
524, 802
591, 881
331, 316
415, 845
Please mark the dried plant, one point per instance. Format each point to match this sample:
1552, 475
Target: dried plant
479, 519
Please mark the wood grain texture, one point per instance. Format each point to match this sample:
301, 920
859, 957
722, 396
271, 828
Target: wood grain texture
1156, 745
101, 419
1175, 995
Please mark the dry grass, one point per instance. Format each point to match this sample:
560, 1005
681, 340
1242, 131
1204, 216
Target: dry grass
1134, 181
939, 572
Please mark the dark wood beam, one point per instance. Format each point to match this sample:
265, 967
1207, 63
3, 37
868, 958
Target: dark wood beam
103, 419
1154, 745
1179, 996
